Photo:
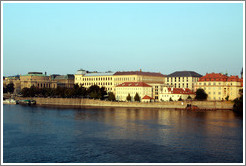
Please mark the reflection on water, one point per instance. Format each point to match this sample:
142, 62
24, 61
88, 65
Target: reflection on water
123, 135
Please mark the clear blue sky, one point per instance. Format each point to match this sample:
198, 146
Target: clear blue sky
164, 37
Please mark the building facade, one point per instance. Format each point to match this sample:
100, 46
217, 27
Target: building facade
182, 79
65, 81
219, 86
15, 80
102, 79
122, 90
36, 79
110, 80
174, 94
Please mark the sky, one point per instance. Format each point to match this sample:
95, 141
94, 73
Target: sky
60, 38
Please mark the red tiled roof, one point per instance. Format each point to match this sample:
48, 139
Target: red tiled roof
218, 77
180, 91
147, 97
139, 73
133, 84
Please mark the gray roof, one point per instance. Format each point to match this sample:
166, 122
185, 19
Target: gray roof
184, 74
100, 74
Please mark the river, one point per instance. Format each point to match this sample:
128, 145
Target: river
34, 134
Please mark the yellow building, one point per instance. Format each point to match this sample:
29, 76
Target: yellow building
15, 80
182, 79
219, 86
175, 94
122, 90
40, 80
37, 79
101, 79
110, 80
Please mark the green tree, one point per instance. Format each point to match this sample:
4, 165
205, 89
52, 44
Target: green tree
238, 105
227, 98
180, 99
201, 94
129, 98
10, 87
111, 96
170, 99
189, 98
137, 97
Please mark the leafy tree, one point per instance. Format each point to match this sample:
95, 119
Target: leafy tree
10, 87
238, 105
170, 99
129, 98
189, 98
201, 94
137, 97
111, 96
180, 99
227, 98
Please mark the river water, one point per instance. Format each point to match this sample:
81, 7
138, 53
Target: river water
34, 134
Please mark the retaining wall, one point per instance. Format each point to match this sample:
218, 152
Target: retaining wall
100, 103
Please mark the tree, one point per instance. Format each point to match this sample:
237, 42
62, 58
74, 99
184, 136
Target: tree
238, 105
136, 97
189, 98
201, 94
111, 96
129, 98
170, 99
10, 87
180, 99
227, 98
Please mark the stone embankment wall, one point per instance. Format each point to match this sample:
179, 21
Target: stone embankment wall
100, 103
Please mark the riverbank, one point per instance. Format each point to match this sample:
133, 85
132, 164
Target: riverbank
210, 105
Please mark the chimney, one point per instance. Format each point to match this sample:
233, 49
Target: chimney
45, 73
140, 70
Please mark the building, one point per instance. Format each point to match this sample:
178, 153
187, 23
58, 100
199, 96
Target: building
15, 80
102, 79
138, 76
66, 81
122, 90
219, 86
182, 79
40, 80
37, 79
110, 80
175, 94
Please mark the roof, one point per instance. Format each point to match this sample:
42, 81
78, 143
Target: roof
68, 76
180, 91
184, 74
139, 73
147, 97
219, 77
100, 74
133, 84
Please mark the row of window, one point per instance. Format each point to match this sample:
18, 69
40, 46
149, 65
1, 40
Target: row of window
97, 83
177, 79
95, 79
125, 79
179, 85
214, 83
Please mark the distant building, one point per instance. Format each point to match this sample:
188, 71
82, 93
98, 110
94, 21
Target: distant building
182, 79
175, 94
87, 79
36, 79
66, 81
218, 86
15, 80
122, 90
110, 80
40, 80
